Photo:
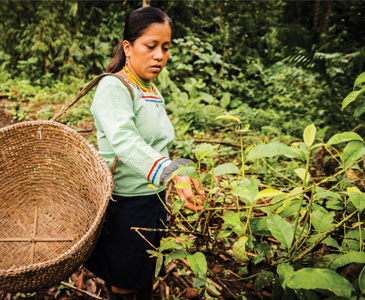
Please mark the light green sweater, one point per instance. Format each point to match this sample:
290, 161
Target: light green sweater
138, 131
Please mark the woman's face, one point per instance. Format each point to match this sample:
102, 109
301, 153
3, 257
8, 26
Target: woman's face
149, 53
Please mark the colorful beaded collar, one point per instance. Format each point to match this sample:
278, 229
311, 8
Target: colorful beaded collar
145, 87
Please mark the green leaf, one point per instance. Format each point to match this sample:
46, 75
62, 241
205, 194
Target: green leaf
358, 200
359, 80
344, 137
263, 279
351, 97
212, 288
227, 168
280, 229
322, 222
359, 110
258, 259
348, 258
243, 193
362, 279
309, 135
310, 279
239, 249
159, 262
329, 241
176, 254
229, 118
327, 195
268, 193
206, 177
198, 264
285, 271
232, 219
186, 171
224, 233
226, 99
306, 294
170, 244
183, 185
198, 282
270, 150
178, 205
204, 150
301, 173
352, 152
253, 187
334, 205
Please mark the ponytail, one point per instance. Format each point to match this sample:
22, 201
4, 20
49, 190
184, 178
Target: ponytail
118, 61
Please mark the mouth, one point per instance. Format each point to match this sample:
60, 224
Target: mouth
156, 68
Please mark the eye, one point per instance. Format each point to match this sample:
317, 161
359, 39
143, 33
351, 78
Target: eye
150, 47
166, 49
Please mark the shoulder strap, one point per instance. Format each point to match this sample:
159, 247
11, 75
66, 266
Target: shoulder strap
83, 92
87, 87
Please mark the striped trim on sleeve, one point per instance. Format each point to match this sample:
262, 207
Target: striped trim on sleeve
158, 163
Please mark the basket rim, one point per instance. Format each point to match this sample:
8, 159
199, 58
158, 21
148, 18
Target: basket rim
100, 213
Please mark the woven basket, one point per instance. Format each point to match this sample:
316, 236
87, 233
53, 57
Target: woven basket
54, 190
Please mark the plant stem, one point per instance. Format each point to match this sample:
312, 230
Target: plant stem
289, 196
326, 234
243, 162
264, 160
301, 198
164, 230
306, 218
360, 239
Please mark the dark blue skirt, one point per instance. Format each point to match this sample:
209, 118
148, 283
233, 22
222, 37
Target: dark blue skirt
120, 256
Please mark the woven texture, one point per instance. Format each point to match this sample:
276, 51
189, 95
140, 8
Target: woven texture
54, 190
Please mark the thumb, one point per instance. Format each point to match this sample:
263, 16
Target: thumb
196, 184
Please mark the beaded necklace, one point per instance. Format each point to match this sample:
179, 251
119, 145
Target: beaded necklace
145, 87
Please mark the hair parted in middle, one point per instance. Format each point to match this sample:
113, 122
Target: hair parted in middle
136, 24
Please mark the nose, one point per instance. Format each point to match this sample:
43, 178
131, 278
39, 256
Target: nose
158, 54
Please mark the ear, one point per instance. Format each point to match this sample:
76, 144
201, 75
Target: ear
127, 48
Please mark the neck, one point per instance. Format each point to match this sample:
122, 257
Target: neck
141, 81
146, 86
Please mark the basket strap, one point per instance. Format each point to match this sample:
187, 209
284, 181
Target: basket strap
87, 88
84, 91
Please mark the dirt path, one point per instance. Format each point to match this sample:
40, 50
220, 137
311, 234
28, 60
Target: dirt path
5, 120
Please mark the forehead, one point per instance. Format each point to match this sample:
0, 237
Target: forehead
160, 32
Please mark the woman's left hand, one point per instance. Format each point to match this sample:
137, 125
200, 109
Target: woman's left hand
187, 194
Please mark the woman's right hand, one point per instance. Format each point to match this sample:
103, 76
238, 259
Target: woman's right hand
187, 194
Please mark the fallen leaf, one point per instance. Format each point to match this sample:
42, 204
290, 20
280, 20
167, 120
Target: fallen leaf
190, 293
80, 283
91, 286
101, 283
52, 290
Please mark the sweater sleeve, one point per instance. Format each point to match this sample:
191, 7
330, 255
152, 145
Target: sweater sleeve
113, 110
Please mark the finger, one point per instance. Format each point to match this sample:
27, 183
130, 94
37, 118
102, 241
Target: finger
199, 199
191, 206
196, 184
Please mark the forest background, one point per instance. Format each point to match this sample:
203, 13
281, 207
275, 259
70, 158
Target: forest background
278, 66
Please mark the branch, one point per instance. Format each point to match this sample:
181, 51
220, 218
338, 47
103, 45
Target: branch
217, 141
166, 230
326, 234
82, 291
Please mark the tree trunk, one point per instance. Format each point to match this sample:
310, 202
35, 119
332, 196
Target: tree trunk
316, 16
324, 24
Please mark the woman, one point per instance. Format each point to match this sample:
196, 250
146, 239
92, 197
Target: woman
139, 132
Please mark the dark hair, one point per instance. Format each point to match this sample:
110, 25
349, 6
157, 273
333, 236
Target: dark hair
136, 24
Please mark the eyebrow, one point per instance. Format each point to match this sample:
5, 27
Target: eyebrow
156, 41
